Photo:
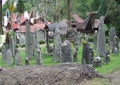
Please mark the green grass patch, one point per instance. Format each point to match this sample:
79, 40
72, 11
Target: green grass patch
113, 65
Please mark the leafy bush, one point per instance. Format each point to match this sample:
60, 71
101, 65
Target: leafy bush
23, 45
91, 39
42, 42
50, 41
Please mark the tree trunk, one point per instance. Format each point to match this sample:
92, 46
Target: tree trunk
1, 31
68, 9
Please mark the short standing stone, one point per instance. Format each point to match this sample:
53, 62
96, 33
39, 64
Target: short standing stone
26, 61
12, 46
66, 52
38, 57
106, 57
97, 62
85, 53
91, 55
9, 57
78, 39
17, 57
4, 58
75, 55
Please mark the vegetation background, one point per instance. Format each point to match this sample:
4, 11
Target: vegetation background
56, 10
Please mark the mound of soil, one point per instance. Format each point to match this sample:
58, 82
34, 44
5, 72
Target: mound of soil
62, 74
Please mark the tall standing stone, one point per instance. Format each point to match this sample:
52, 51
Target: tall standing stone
112, 35
35, 41
66, 51
36, 48
101, 42
57, 46
28, 41
4, 50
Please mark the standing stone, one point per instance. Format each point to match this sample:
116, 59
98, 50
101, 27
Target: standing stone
27, 61
86, 37
4, 50
9, 57
17, 57
85, 53
28, 41
66, 52
116, 42
97, 62
75, 55
116, 45
38, 57
101, 42
36, 48
57, 47
95, 40
91, 55
47, 50
12, 46
78, 39
106, 57
35, 40
112, 35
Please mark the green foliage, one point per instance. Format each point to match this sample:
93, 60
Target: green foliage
113, 65
113, 12
20, 6
42, 42
5, 7
91, 39
27, 6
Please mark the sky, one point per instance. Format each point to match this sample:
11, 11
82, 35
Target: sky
3, 2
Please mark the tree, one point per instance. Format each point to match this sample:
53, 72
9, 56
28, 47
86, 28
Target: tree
1, 31
20, 6
113, 13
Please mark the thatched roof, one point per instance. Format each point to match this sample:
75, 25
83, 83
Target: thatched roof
85, 26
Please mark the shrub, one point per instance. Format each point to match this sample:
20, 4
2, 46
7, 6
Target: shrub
42, 42
91, 39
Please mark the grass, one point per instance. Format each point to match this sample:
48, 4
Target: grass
113, 65
48, 60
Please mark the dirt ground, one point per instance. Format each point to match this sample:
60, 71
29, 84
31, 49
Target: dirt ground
62, 74
114, 77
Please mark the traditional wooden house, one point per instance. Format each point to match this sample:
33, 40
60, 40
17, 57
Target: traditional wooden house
61, 25
85, 26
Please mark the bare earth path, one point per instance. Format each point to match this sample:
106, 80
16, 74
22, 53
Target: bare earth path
114, 77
